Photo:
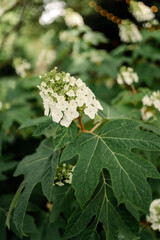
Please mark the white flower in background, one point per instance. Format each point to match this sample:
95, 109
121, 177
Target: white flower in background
64, 174
150, 103
45, 57
141, 12
21, 67
73, 19
129, 32
65, 98
150, 24
127, 76
52, 10
155, 98
146, 113
147, 101
154, 215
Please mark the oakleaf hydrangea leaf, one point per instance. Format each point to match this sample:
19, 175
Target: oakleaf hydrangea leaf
111, 149
103, 207
64, 136
38, 167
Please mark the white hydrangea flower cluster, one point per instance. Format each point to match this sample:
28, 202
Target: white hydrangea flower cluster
127, 76
73, 19
21, 66
150, 103
141, 12
65, 98
129, 32
64, 174
154, 215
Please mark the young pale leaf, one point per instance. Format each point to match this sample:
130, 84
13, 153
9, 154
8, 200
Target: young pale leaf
111, 149
38, 167
101, 207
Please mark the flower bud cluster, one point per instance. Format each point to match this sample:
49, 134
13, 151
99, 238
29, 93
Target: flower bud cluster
65, 98
127, 76
64, 174
73, 19
154, 214
129, 32
141, 12
151, 24
150, 103
21, 67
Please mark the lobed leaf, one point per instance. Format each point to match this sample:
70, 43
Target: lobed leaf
38, 167
111, 149
103, 208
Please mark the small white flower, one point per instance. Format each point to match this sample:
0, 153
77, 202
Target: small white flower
90, 111
119, 79
43, 84
65, 122
60, 184
56, 115
66, 79
57, 78
72, 81
52, 81
79, 92
146, 114
154, 214
72, 104
66, 87
135, 77
71, 114
80, 100
156, 104
46, 108
146, 101
62, 105
97, 104
79, 83
127, 78
70, 93
73, 19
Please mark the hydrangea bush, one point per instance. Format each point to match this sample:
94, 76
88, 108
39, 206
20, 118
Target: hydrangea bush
91, 168
107, 178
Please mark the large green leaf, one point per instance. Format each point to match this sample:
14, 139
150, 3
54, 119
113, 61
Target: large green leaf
111, 149
61, 196
102, 208
64, 136
43, 125
38, 167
